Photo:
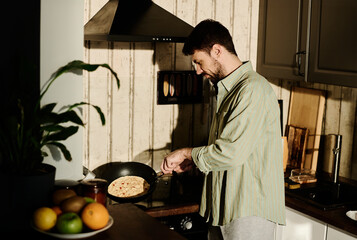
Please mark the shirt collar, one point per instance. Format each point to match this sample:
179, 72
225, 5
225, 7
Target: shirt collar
232, 79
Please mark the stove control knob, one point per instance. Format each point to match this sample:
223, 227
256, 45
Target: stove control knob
186, 223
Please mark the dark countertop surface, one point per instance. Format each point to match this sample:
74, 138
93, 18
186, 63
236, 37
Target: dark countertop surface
335, 217
130, 222
171, 210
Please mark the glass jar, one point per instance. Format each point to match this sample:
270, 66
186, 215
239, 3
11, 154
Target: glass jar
67, 184
95, 188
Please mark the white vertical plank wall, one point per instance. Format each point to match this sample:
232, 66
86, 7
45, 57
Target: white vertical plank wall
137, 129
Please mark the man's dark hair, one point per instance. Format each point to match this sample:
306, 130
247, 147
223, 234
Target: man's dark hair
205, 35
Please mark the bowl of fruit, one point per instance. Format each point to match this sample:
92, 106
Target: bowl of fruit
71, 216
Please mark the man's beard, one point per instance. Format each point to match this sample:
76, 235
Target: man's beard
218, 75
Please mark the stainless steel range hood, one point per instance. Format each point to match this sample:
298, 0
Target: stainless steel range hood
135, 21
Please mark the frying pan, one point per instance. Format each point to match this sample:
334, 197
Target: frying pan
113, 170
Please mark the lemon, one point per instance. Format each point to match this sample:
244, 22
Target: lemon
44, 218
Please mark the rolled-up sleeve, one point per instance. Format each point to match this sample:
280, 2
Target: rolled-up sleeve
242, 126
199, 161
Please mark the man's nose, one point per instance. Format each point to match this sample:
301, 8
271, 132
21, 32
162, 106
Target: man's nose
198, 69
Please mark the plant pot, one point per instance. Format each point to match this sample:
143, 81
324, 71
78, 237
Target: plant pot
22, 194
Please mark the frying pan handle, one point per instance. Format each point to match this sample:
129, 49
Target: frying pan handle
160, 174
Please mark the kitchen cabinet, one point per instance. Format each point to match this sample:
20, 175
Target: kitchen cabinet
308, 40
333, 38
301, 227
333, 234
281, 34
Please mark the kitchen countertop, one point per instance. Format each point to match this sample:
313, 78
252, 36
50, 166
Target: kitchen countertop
130, 222
171, 210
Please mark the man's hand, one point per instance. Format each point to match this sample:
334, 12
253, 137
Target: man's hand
179, 161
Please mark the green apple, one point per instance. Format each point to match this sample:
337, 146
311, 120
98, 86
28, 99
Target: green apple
69, 223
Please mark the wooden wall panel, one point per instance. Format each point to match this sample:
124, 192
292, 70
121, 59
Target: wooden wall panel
142, 102
224, 13
241, 28
98, 80
183, 114
138, 129
333, 106
204, 10
86, 17
182, 13
347, 124
122, 63
163, 115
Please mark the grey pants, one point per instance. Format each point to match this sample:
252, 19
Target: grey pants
246, 228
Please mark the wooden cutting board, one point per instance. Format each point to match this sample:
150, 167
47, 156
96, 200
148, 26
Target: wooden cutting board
306, 110
297, 139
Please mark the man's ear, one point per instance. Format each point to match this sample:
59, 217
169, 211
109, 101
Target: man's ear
216, 51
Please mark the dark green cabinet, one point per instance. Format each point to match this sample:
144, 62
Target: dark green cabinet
333, 42
311, 40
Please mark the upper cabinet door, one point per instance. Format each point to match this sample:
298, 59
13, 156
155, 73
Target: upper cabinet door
282, 38
311, 40
333, 42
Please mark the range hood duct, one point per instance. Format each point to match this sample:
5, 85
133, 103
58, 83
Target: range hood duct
135, 21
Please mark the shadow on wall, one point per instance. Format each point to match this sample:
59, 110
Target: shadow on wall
190, 131
192, 121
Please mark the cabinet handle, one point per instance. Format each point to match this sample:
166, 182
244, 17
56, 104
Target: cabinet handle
300, 73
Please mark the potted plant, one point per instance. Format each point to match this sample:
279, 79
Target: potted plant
24, 131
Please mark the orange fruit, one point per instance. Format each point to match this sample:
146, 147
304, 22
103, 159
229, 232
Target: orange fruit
57, 210
44, 218
95, 216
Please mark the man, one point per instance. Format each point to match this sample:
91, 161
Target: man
243, 191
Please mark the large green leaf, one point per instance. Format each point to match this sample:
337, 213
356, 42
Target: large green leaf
52, 128
27, 128
48, 108
75, 66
